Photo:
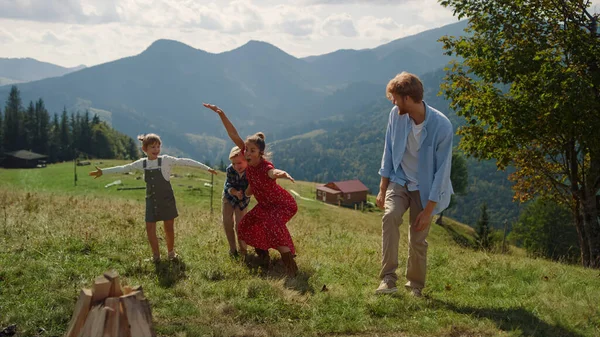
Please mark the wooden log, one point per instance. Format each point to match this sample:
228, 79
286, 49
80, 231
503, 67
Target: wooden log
129, 289
115, 284
101, 289
82, 307
137, 314
86, 331
99, 322
124, 330
112, 305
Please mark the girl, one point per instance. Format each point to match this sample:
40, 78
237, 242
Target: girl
264, 226
160, 201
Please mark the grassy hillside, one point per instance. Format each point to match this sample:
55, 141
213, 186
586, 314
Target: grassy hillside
55, 238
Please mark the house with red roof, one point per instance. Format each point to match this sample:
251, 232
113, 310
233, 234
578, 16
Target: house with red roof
349, 193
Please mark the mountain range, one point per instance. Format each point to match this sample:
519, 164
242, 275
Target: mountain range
20, 70
323, 115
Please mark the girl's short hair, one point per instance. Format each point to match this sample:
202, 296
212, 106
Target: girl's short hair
405, 84
149, 139
259, 139
235, 151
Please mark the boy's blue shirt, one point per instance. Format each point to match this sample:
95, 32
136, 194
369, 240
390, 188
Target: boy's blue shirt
435, 155
238, 182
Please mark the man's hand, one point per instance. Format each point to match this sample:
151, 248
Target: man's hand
423, 220
380, 201
96, 173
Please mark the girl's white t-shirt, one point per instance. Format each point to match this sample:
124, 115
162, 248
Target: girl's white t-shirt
167, 163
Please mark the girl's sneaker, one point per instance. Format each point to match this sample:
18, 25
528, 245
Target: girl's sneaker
173, 256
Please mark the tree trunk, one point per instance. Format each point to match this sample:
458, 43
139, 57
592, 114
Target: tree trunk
583, 241
589, 214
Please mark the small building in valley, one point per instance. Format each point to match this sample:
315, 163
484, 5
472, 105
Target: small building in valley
23, 159
349, 193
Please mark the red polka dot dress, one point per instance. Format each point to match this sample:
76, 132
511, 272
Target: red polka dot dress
264, 226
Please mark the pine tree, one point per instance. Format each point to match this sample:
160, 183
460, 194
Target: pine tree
85, 133
1, 134
44, 127
54, 135
64, 137
75, 135
13, 123
484, 232
29, 127
132, 149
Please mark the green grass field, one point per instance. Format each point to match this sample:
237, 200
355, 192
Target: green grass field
55, 238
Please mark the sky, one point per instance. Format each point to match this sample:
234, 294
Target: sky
74, 32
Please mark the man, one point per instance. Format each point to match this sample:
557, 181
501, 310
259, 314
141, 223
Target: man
415, 172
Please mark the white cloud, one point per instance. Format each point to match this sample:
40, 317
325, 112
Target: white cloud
72, 11
6, 37
339, 25
97, 31
295, 21
51, 38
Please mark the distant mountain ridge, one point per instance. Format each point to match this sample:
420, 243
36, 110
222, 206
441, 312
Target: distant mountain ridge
19, 70
260, 86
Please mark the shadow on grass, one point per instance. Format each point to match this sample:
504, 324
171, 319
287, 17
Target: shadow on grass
276, 270
512, 319
170, 272
457, 237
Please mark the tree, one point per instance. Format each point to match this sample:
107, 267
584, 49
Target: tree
65, 137
484, 232
1, 134
13, 122
222, 166
43, 118
545, 229
29, 127
528, 86
459, 176
54, 146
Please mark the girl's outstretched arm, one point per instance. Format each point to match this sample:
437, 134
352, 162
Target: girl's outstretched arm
276, 174
231, 130
97, 173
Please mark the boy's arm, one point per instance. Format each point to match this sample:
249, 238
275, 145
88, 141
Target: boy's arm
231, 130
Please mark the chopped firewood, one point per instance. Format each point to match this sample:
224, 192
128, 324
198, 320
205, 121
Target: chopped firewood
105, 312
82, 307
112, 305
101, 289
138, 314
115, 285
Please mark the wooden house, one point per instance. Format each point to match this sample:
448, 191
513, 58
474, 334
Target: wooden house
23, 159
349, 193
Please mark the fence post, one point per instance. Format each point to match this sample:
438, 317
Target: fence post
212, 186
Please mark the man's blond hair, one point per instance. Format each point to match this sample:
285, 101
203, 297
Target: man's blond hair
405, 84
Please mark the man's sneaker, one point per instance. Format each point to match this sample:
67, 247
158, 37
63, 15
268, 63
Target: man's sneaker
416, 292
386, 287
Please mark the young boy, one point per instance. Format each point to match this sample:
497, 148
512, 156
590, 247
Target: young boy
235, 199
